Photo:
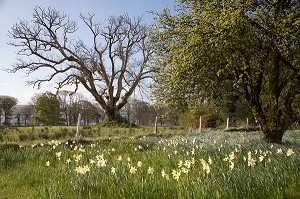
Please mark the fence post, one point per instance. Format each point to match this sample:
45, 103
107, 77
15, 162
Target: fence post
227, 123
200, 124
155, 125
77, 130
247, 124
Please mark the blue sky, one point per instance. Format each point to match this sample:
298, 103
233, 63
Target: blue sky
12, 10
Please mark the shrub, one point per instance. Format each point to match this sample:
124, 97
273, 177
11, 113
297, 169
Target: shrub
44, 135
23, 137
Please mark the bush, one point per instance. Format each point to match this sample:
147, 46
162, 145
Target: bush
23, 137
44, 135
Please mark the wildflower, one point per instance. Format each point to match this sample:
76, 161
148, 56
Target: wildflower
232, 156
47, 164
113, 149
180, 163
205, 166
113, 170
185, 170
261, 158
193, 151
289, 152
68, 161
187, 164
176, 174
165, 175
210, 160
150, 170
132, 170
42, 144
251, 162
77, 157
139, 164
140, 147
98, 157
33, 145
226, 159
82, 170
279, 151
93, 145
231, 166
58, 155
92, 161
175, 152
101, 163
193, 160
128, 159
120, 158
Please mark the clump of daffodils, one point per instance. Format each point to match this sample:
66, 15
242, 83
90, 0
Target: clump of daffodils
82, 170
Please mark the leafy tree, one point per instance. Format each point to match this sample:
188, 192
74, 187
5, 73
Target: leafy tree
47, 110
253, 45
110, 69
6, 104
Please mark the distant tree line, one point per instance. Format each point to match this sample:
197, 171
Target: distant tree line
64, 107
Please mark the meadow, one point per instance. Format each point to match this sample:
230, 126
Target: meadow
211, 164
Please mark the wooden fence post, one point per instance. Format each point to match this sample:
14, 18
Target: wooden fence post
155, 125
77, 130
227, 123
200, 124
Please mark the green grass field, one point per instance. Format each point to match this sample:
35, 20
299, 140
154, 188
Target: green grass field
143, 165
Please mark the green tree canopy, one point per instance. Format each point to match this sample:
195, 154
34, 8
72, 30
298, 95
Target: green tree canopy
252, 45
6, 103
47, 110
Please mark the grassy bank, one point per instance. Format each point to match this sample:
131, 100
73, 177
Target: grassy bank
206, 165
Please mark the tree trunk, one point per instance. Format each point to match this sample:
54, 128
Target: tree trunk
111, 114
273, 128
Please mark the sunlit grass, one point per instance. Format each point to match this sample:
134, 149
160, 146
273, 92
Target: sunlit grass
206, 165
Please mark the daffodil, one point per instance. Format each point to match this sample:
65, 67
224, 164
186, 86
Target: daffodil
113, 170
231, 166
150, 170
139, 164
176, 174
82, 170
279, 151
261, 158
185, 170
180, 163
132, 170
251, 162
47, 164
289, 152
58, 155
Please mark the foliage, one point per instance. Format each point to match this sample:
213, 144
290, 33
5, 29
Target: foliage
6, 104
251, 46
47, 110
110, 69
206, 165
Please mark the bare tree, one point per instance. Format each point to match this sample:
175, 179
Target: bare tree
110, 69
26, 112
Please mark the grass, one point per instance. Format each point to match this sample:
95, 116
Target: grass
206, 165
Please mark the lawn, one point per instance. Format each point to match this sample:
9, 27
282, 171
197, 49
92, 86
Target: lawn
171, 165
